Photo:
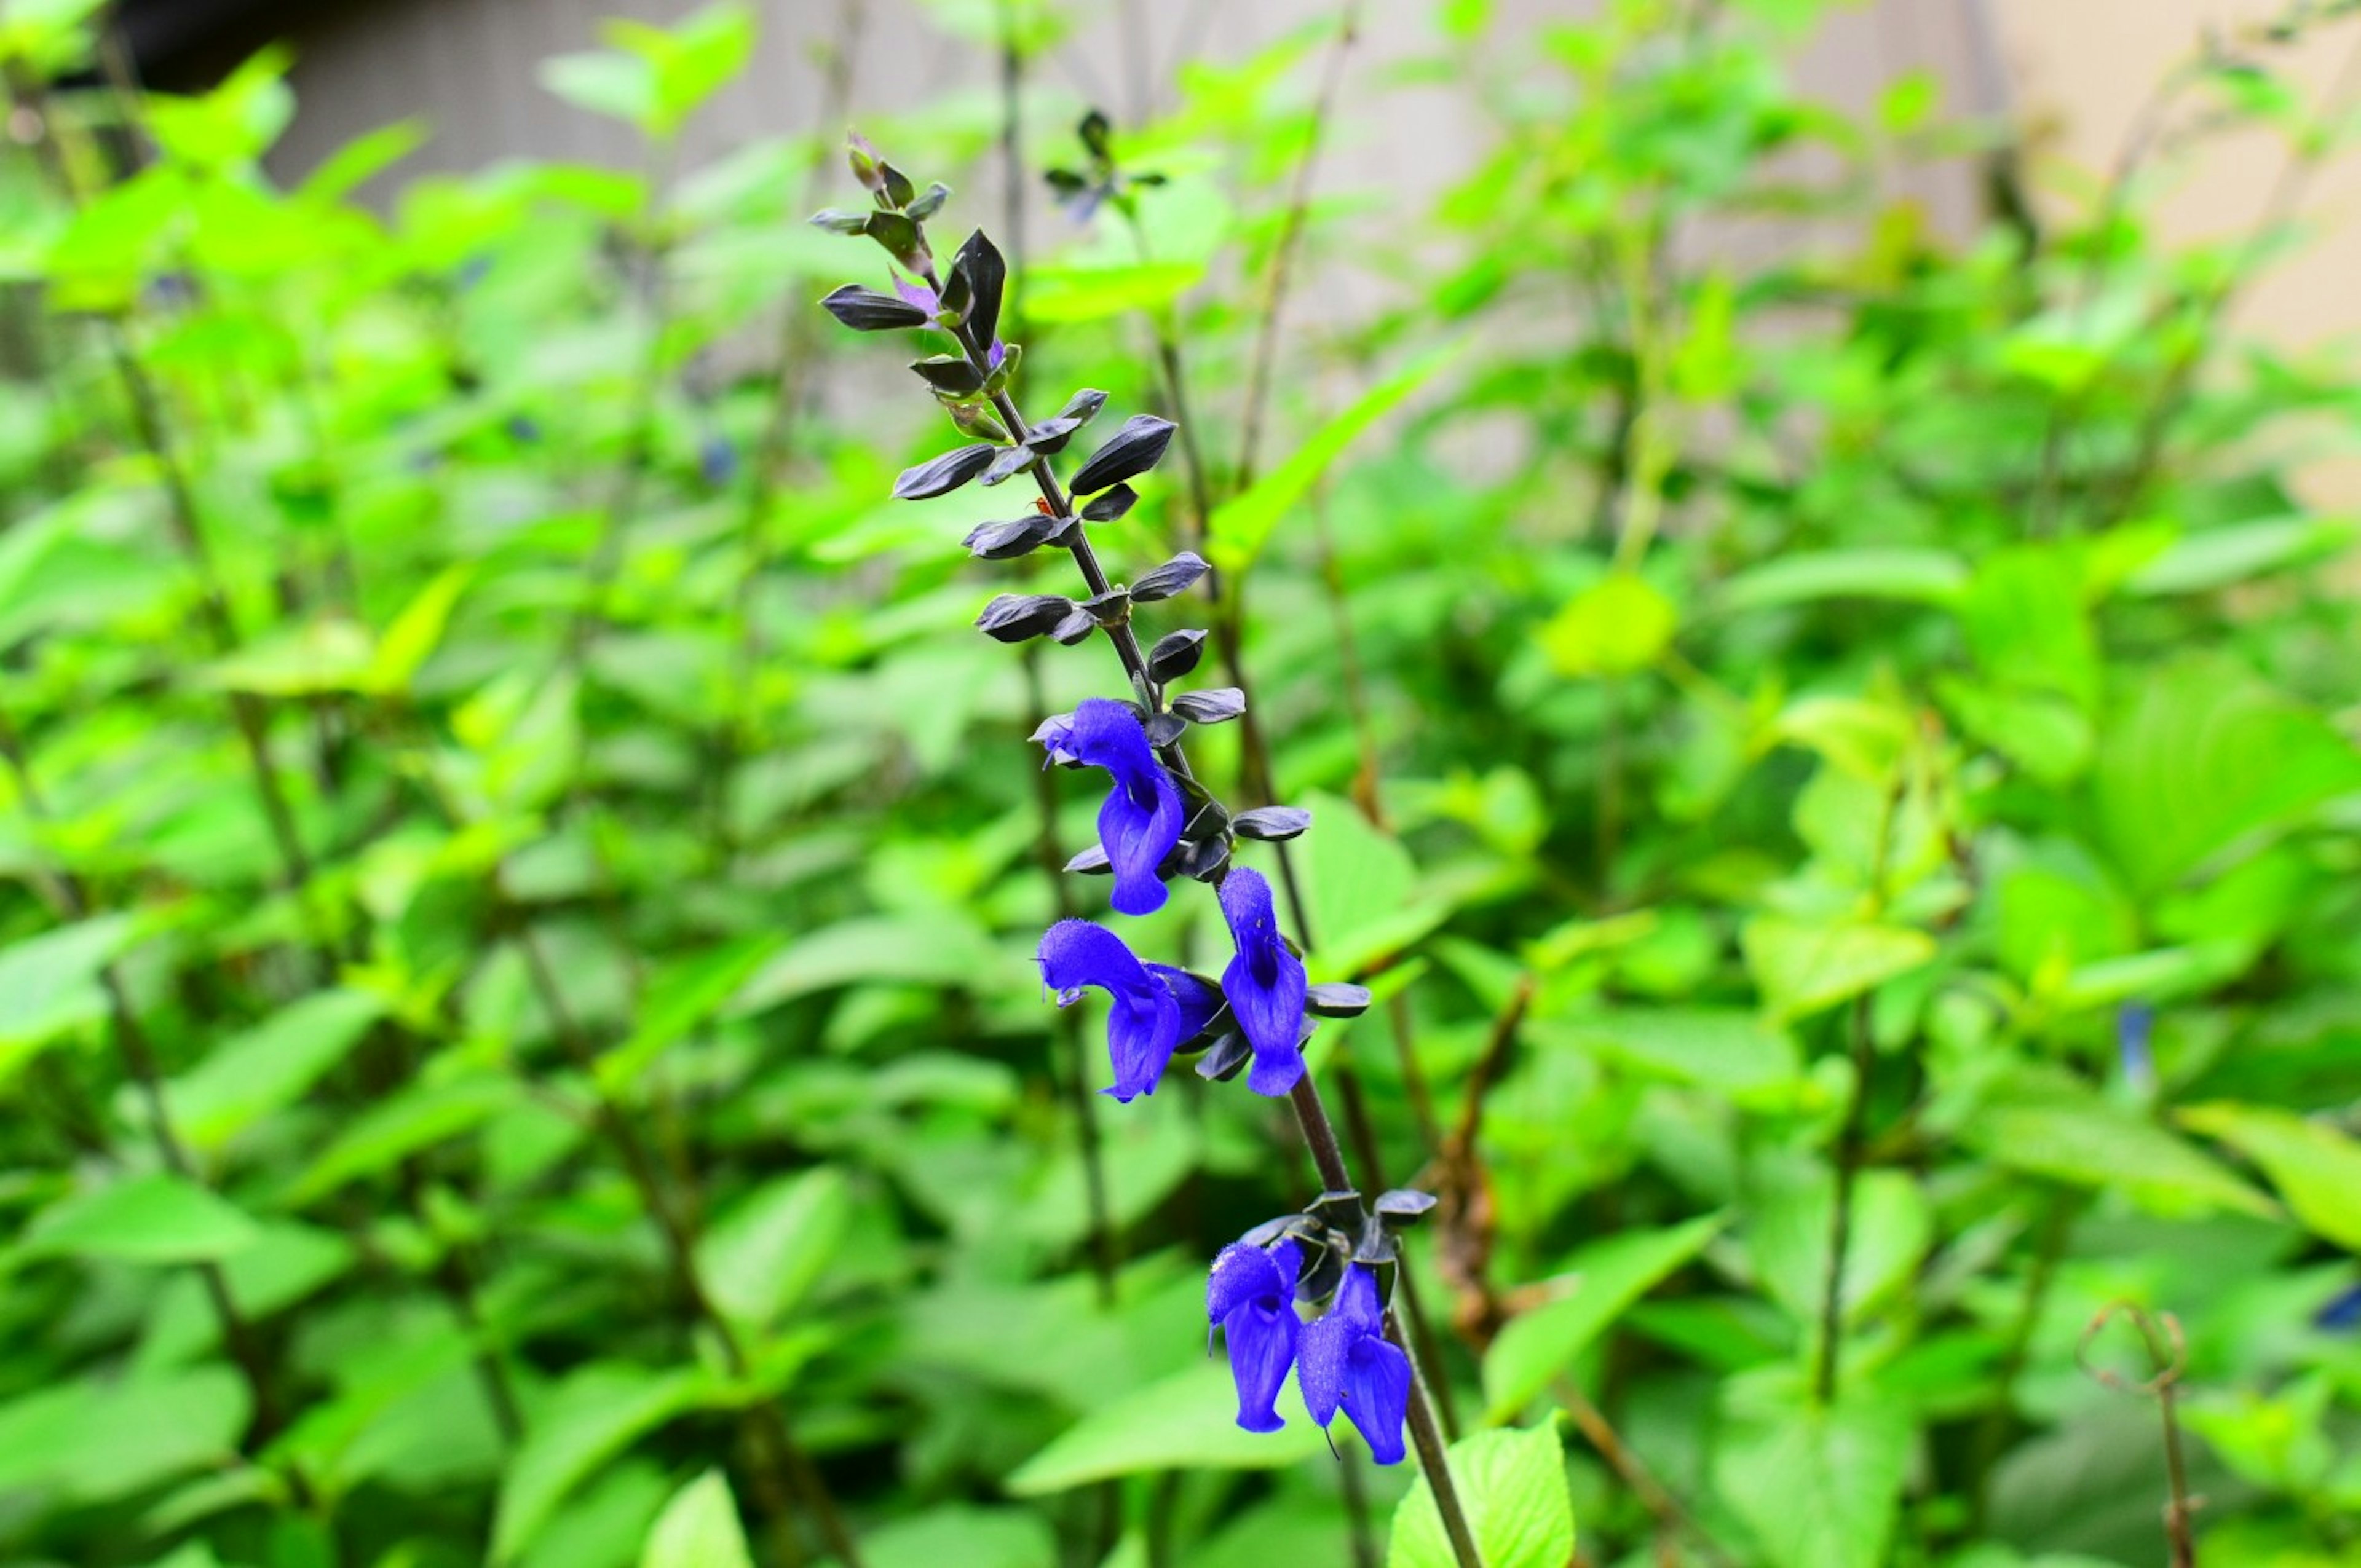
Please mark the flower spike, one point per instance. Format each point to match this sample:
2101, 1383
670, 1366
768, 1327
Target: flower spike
1143, 814
1350, 1364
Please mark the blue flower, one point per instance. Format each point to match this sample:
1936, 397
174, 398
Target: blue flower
1348, 1363
1156, 1005
2342, 1313
1265, 984
1251, 1294
1142, 818
2134, 1043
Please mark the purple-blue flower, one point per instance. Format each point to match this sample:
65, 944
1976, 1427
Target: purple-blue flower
1142, 818
1265, 984
1156, 1006
1349, 1364
1251, 1294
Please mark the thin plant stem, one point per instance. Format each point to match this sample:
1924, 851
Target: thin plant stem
1852, 1145
1319, 1133
1852, 1140
146, 1071
789, 391
2167, 1357
1670, 1518
764, 1427
1275, 281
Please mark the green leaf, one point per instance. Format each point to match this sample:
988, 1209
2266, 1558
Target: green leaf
620, 86
1724, 1049
681, 999
1186, 1421
594, 1415
2055, 1128
2177, 780
330, 654
969, 1537
49, 983
2217, 557
412, 635
900, 949
1608, 1277
762, 1255
1801, 968
248, 1076
148, 1218
1913, 575
1359, 885
417, 1118
698, 1529
1242, 525
97, 1442
1817, 1486
1618, 625
2315, 1167
1511, 1487
1068, 294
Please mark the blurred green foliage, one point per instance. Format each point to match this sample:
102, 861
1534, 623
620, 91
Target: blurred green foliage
515, 998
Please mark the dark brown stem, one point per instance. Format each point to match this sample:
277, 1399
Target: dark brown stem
2167, 1357
1672, 1519
764, 1427
1851, 1142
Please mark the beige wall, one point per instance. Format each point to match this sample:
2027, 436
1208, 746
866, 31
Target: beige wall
2081, 70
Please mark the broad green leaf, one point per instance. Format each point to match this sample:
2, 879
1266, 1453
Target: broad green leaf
2315, 1167
1511, 1487
2028, 624
681, 999
1787, 1229
1242, 525
1916, 576
1817, 1486
1801, 968
248, 1076
1055, 293
412, 635
761, 1256
148, 1218
417, 1118
49, 983
1866, 739
329, 654
1359, 885
620, 86
2217, 557
2062, 1131
898, 949
1618, 625
594, 1415
1186, 1421
967, 1536
698, 1529
706, 50
1608, 1277
2178, 779
1728, 1051
97, 1442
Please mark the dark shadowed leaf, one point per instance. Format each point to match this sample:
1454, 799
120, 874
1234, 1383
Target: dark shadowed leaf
1175, 655
941, 476
950, 373
1132, 450
1174, 576
1272, 823
979, 260
866, 309
1110, 506
1012, 617
1216, 705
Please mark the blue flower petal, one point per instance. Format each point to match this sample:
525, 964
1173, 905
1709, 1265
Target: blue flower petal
1251, 1294
1264, 983
1144, 1023
1199, 1002
1141, 819
1377, 1396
